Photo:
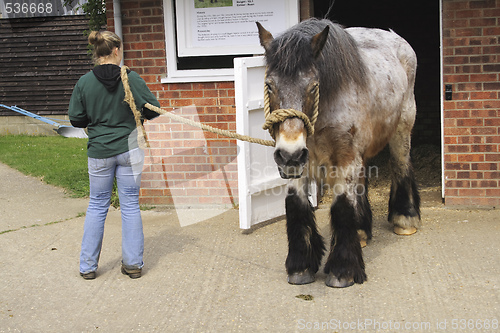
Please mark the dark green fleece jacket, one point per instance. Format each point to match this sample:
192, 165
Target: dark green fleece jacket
97, 103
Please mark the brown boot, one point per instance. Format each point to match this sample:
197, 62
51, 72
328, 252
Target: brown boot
88, 276
132, 273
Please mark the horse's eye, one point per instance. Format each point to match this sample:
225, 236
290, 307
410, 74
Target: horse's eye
313, 88
269, 87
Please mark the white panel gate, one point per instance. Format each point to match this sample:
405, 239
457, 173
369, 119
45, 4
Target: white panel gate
261, 190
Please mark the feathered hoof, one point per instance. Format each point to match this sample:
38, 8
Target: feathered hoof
332, 281
304, 277
404, 231
405, 225
363, 238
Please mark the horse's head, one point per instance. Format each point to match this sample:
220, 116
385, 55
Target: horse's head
292, 82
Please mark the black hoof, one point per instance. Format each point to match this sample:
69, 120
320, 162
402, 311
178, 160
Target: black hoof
332, 281
304, 277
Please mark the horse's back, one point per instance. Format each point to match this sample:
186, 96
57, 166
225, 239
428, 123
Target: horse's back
386, 44
391, 66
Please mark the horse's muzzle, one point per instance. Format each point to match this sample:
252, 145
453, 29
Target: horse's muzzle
291, 165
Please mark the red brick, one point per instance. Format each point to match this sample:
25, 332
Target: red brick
468, 69
482, 4
484, 113
473, 86
491, 50
484, 148
482, 22
191, 94
493, 192
152, 36
482, 59
450, 157
493, 31
453, 6
457, 166
491, 86
457, 131
467, 32
457, 148
485, 166
483, 183
149, 52
491, 174
457, 183
484, 95
469, 192
491, 68
483, 77
457, 201
492, 104
469, 122
456, 114
203, 85
152, 20
456, 78
470, 157
494, 12
483, 131
450, 140
143, 62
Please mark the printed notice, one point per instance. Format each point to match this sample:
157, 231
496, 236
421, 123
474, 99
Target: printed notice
229, 23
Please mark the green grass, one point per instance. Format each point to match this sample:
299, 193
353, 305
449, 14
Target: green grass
56, 160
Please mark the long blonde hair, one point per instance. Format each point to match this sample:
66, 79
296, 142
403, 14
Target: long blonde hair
103, 43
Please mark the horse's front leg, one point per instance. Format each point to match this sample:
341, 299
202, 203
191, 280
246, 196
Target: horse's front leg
305, 244
345, 265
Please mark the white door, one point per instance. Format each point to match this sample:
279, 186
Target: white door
261, 190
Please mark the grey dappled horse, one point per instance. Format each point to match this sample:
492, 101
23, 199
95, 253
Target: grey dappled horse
366, 80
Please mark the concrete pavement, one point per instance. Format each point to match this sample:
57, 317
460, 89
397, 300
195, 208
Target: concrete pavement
211, 277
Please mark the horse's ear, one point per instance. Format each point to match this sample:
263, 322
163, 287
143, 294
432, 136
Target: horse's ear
318, 41
265, 36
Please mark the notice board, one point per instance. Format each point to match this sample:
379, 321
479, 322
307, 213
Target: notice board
222, 27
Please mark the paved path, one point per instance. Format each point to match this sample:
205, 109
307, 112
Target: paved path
211, 277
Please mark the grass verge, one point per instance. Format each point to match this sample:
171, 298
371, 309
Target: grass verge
56, 160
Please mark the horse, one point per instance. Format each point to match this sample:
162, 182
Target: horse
357, 84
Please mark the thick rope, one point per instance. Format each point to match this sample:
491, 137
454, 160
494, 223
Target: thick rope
142, 137
279, 115
210, 128
275, 117
129, 99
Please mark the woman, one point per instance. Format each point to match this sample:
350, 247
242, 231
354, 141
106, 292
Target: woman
112, 149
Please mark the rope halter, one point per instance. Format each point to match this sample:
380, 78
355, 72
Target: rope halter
279, 115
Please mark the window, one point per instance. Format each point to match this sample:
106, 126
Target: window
204, 60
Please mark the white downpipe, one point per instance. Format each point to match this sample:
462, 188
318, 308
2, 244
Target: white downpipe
117, 15
441, 67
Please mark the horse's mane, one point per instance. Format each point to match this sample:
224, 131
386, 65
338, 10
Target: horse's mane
338, 64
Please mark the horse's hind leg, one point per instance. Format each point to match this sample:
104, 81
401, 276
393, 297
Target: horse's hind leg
404, 202
305, 244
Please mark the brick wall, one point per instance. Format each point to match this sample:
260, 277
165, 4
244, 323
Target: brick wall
188, 167
184, 166
472, 119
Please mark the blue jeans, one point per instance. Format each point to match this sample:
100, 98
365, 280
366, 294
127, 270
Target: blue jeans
127, 168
